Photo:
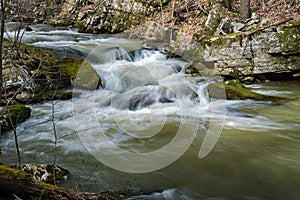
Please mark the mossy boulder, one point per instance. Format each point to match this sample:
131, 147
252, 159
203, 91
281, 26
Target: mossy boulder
13, 114
237, 92
82, 74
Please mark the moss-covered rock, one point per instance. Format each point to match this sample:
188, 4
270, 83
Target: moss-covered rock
233, 92
289, 40
41, 73
83, 75
13, 114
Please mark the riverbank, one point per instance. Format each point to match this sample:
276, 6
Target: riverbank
265, 47
32, 75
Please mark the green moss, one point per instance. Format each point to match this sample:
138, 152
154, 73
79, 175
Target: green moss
83, 74
70, 67
232, 92
220, 41
18, 113
80, 25
202, 14
289, 39
296, 23
8, 171
48, 191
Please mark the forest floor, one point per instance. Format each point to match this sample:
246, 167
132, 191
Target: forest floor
188, 16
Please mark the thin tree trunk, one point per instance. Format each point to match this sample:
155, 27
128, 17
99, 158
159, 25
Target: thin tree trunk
1, 43
244, 10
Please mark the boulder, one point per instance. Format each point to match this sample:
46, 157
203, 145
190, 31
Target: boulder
83, 75
143, 100
237, 92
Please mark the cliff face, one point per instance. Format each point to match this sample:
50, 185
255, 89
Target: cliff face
106, 16
266, 54
202, 30
99, 16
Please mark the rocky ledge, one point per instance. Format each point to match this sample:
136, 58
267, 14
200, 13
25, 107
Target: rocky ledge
266, 54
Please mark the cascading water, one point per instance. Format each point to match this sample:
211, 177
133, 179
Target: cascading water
146, 102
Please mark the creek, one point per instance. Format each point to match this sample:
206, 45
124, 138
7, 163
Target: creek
143, 129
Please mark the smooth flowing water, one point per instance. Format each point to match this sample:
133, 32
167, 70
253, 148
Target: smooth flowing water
128, 134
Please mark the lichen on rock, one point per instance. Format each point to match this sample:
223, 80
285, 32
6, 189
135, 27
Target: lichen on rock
44, 172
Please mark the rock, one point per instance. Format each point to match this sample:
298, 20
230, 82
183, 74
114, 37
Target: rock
15, 76
144, 100
264, 21
18, 113
297, 75
43, 172
201, 69
231, 92
237, 26
28, 29
248, 80
104, 16
225, 27
268, 51
24, 97
140, 101
87, 78
83, 75
214, 18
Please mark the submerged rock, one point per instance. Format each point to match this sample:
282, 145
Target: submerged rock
237, 92
144, 100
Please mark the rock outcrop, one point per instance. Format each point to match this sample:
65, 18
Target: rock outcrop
258, 53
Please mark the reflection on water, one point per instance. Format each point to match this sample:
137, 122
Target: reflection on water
256, 157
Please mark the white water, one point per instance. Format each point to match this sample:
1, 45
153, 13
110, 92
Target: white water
144, 101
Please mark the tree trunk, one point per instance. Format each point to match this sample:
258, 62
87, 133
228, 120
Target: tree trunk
24, 186
228, 4
244, 10
2, 21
